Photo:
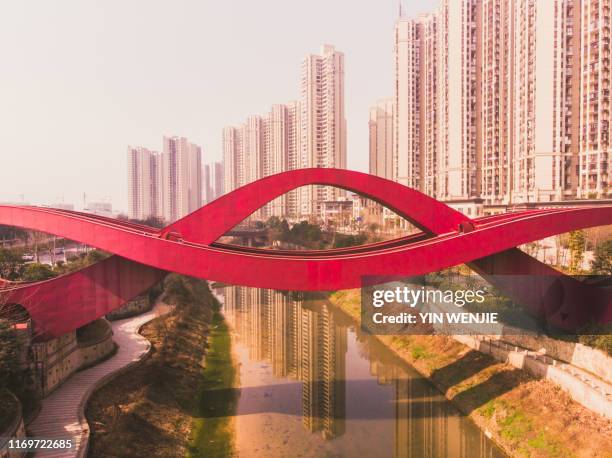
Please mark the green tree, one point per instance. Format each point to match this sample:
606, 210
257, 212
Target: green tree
154, 221
11, 264
576, 244
602, 263
176, 290
95, 256
151, 221
343, 241
37, 272
277, 229
9, 360
9, 233
273, 222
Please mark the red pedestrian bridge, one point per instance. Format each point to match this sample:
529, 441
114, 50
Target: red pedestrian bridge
144, 255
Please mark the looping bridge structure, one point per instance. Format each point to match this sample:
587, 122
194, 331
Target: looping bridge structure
142, 255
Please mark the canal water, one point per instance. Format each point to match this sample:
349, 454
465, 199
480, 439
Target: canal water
312, 385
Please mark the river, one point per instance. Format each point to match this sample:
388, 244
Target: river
312, 385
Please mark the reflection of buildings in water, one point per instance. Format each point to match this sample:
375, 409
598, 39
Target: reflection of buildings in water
385, 374
302, 343
306, 342
281, 328
426, 424
233, 309
246, 310
258, 317
423, 426
323, 346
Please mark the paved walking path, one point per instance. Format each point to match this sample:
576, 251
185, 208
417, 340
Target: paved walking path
63, 412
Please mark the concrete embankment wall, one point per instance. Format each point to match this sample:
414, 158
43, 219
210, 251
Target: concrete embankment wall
589, 359
61, 357
96, 351
592, 392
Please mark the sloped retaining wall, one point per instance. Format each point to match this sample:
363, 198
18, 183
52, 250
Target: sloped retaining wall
96, 351
594, 394
589, 359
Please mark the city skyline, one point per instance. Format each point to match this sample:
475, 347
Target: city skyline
166, 185
306, 228
307, 133
498, 103
86, 99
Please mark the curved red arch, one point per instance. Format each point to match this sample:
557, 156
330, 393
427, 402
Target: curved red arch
144, 254
421, 210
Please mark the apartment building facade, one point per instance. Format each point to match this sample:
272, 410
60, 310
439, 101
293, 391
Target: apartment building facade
144, 183
264, 145
594, 71
510, 99
382, 138
322, 123
166, 185
181, 177
310, 132
407, 169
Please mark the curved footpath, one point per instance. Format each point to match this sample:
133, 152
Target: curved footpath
63, 412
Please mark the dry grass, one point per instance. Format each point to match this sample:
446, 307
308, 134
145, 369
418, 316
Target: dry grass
149, 411
525, 416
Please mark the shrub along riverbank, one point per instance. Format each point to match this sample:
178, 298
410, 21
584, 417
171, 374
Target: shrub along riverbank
8, 409
524, 415
150, 411
13, 378
213, 434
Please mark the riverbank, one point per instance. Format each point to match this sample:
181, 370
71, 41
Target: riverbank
524, 415
150, 410
213, 432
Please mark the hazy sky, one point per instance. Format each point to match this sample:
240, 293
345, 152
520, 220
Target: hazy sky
81, 79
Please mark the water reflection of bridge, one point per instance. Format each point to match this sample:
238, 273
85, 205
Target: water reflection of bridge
307, 341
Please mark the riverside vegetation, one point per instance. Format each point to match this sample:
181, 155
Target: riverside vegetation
149, 411
10, 375
13, 376
213, 430
524, 415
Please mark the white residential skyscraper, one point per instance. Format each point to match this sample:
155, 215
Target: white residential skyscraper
456, 155
217, 182
263, 146
212, 182
323, 123
428, 103
382, 138
407, 167
301, 134
595, 156
207, 185
277, 152
416, 95
542, 99
181, 178
496, 37
233, 164
503, 102
144, 182
166, 185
